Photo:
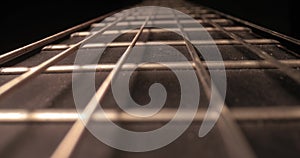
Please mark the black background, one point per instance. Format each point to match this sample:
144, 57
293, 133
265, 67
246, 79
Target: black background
279, 15
23, 22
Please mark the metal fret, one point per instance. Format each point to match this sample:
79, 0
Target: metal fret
279, 113
162, 17
244, 64
153, 43
160, 22
155, 30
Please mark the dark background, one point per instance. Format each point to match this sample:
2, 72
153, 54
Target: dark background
24, 22
279, 15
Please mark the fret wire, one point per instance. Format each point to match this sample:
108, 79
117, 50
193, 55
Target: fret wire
69, 142
167, 16
242, 64
269, 113
261, 53
157, 30
160, 22
12, 84
231, 133
152, 43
